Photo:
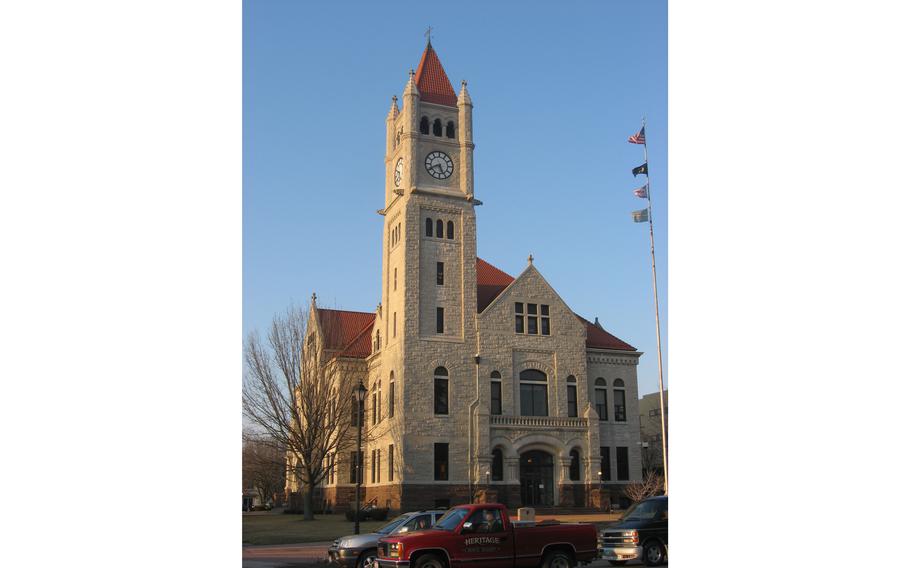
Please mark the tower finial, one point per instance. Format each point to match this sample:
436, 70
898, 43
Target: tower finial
530, 259
428, 34
314, 297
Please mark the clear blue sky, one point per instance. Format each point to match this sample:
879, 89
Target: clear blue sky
557, 90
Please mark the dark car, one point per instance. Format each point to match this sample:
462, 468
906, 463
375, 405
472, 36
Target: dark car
359, 550
640, 534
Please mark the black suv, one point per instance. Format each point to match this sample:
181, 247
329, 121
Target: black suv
640, 534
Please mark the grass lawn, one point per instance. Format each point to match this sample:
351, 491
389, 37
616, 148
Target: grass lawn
291, 529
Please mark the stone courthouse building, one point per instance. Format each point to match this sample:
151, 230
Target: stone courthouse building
480, 384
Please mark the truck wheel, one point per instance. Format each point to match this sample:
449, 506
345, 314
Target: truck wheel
367, 558
654, 553
430, 561
557, 559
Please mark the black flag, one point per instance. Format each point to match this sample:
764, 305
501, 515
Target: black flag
642, 169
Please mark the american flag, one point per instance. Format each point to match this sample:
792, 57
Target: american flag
641, 192
638, 138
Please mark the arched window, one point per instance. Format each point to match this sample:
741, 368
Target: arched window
450, 230
429, 227
437, 127
619, 400
398, 139
439, 228
424, 125
376, 344
375, 406
495, 393
441, 391
450, 129
600, 397
533, 386
572, 397
497, 465
575, 466
391, 394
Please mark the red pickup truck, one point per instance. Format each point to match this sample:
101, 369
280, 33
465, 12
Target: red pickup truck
481, 535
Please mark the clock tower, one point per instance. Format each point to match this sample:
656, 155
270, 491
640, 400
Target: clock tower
429, 275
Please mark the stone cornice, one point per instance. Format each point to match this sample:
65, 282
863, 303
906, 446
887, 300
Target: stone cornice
614, 357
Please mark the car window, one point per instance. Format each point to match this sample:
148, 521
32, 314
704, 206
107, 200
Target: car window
418, 523
451, 519
392, 525
644, 511
484, 521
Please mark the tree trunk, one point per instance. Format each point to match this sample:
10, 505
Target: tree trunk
308, 503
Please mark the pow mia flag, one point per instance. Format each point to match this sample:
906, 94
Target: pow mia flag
642, 169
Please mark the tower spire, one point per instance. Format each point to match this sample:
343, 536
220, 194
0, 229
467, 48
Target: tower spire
428, 34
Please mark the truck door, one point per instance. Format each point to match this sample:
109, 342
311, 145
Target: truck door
485, 540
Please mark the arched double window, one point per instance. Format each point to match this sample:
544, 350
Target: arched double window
600, 397
575, 466
571, 398
450, 129
495, 393
439, 228
429, 227
424, 125
441, 391
533, 386
497, 465
619, 400
450, 230
437, 127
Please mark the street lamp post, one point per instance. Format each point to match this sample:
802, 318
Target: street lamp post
361, 392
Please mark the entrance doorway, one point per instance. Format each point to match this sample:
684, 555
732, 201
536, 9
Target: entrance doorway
536, 475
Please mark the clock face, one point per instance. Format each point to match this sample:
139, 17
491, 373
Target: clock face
398, 168
438, 165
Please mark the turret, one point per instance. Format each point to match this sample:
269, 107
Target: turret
466, 140
390, 128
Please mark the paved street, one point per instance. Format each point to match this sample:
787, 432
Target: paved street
306, 555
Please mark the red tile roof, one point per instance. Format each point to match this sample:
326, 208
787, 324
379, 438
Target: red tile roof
432, 81
361, 347
340, 329
491, 281
601, 339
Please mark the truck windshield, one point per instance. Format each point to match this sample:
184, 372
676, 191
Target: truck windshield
451, 519
392, 525
643, 511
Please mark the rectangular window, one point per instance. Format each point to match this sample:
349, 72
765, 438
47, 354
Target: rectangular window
573, 401
391, 400
440, 462
378, 466
519, 317
395, 324
532, 319
373, 466
604, 463
374, 408
331, 469
440, 273
440, 320
619, 405
391, 462
544, 319
495, 397
441, 396
600, 402
353, 476
622, 464
395, 280
533, 400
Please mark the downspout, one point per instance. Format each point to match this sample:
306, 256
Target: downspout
472, 408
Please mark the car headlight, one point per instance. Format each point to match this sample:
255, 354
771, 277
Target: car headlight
395, 550
630, 537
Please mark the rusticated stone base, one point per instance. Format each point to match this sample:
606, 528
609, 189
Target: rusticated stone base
418, 497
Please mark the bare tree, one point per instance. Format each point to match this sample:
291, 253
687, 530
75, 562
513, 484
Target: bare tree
264, 467
651, 485
297, 401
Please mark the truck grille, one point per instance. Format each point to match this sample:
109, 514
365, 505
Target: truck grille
613, 539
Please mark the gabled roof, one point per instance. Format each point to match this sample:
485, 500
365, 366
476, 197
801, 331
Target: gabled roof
599, 338
340, 329
491, 281
432, 81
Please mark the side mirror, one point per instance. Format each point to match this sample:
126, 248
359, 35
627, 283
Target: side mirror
466, 527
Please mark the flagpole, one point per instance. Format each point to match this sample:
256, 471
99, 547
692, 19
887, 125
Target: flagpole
660, 361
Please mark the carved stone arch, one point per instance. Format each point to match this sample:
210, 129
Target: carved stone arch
504, 444
532, 364
544, 442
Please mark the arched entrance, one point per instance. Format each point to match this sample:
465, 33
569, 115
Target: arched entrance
536, 475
